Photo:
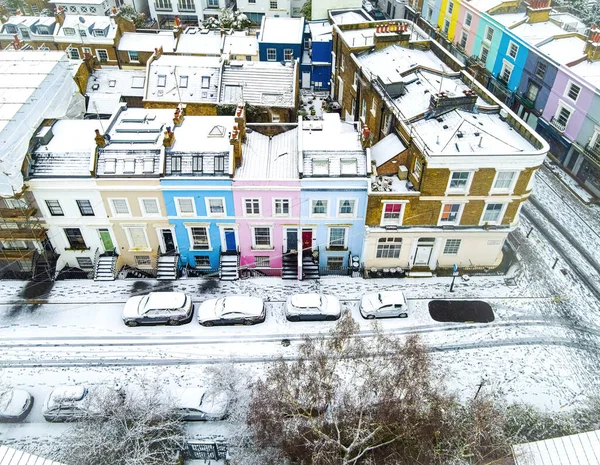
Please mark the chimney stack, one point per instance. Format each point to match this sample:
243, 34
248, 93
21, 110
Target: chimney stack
169, 138
240, 121
60, 16
177, 29
158, 52
592, 46
538, 11
100, 140
179, 115
235, 140
365, 136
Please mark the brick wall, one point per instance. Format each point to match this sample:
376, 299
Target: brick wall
192, 109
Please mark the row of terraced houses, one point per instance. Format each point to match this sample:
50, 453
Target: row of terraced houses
423, 169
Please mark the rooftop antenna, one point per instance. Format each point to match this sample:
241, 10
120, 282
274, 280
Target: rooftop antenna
177, 83
98, 116
442, 78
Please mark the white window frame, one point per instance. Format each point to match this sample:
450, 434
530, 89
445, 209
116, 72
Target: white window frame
288, 52
70, 51
342, 63
446, 25
568, 90
486, 33
98, 50
346, 230
363, 110
470, 16
487, 55
500, 217
273, 50
460, 190
374, 107
506, 66
185, 214
560, 106
141, 259
131, 59
505, 190
463, 35
252, 215
458, 248
191, 236
347, 215
130, 241
113, 210
281, 200
450, 8
456, 221
355, 82
86, 50
143, 207
392, 221
215, 215
391, 248
319, 215
253, 233
512, 44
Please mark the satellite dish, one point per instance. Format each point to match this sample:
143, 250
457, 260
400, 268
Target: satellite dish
81, 19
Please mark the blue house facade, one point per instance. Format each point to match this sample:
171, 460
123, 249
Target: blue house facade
315, 67
280, 39
508, 67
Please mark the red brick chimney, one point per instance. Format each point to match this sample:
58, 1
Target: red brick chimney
100, 140
240, 121
592, 47
179, 115
169, 138
538, 11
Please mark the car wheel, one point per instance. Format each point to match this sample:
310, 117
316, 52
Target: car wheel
131, 323
207, 323
248, 322
174, 322
293, 318
370, 317
403, 315
331, 318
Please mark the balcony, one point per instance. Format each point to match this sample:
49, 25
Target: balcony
15, 213
593, 151
22, 234
191, 8
163, 6
556, 124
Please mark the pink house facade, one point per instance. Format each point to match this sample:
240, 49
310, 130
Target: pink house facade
266, 195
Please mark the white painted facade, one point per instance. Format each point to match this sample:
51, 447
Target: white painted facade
270, 8
190, 12
320, 8
85, 7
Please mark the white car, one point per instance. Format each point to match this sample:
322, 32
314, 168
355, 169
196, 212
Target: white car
158, 307
66, 403
197, 404
15, 405
312, 307
385, 304
232, 310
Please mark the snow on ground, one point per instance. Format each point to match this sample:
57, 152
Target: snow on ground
573, 185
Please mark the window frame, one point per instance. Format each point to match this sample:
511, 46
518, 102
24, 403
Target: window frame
456, 220
288, 52
562, 105
463, 35
89, 205
486, 33
282, 201
505, 190
176, 200
487, 53
460, 190
274, 52
76, 247
143, 207
132, 246
256, 246
113, 209
512, 44
506, 66
568, 88
392, 221
447, 245
541, 66
352, 214
342, 247
255, 201
98, 50
207, 201
497, 222
468, 16
388, 250
49, 208
190, 228
325, 214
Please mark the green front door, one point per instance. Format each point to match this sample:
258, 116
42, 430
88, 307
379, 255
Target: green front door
106, 240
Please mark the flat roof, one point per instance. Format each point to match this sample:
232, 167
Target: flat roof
146, 42
350, 16
588, 70
203, 134
126, 82
537, 32
205, 44
366, 37
564, 50
265, 157
239, 43
282, 30
320, 31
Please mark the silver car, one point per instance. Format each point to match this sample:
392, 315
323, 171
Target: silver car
312, 307
232, 310
197, 404
172, 308
385, 304
15, 405
66, 403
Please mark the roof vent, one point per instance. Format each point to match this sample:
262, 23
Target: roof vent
503, 114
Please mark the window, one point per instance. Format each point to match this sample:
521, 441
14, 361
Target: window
483, 55
54, 208
363, 110
468, 19
68, 31
450, 8
14, 245
288, 54
85, 207
162, 80
346, 207
417, 168
205, 82
176, 164
202, 261
213, 3
505, 180
451, 246
73, 54
262, 237
252, 206
450, 213
355, 83
492, 213
200, 238
98, 33
342, 63
197, 164
507, 69
374, 107
102, 55
282, 207
389, 247
271, 54
573, 92
185, 206
540, 69
561, 119
82, 33
337, 238
446, 26
83, 9
93, 9
513, 49
143, 260
273, 4
219, 164
532, 91
87, 52
183, 82
335, 263
138, 82
489, 34
15, 203
216, 206
319, 207
75, 238
119, 206
459, 180
306, 44
150, 207
392, 214
73, 9
463, 39
262, 262
85, 263
10, 29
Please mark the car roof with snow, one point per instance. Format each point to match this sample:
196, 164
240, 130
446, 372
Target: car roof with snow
65, 394
380, 299
160, 300
241, 304
306, 300
12, 401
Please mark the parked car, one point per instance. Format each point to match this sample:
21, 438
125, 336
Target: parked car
377, 15
312, 307
66, 403
197, 404
232, 310
158, 307
387, 304
15, 405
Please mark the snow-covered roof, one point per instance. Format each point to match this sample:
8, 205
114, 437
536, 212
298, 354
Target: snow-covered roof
187, 79
588, 70
350, 16
366, 37
162, 300
90, 24
146, 42
266, 158
306, 300
200, 44
260, 83
33, 86
239, 43
69, 151
485, 5
570, 22
320, 31
508, 19
386, 149
537, 32
281, 30
30, 22
576, 449
103, 103
564, 49
126, 82
10, 456
76, 2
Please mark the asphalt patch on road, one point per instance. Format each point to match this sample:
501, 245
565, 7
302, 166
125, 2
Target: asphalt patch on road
209, 285
22, 309
139, 287
36, 290
461, 311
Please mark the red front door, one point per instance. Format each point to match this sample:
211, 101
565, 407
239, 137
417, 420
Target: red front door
307, 241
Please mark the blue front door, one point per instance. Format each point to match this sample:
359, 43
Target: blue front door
230, 239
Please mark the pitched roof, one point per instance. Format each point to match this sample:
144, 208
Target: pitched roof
126, 82
146, 42
265, 157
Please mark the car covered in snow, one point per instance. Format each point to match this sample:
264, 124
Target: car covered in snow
66, 403
312, 307
384, 304
232, 310
15, 405
197, 404
158, 307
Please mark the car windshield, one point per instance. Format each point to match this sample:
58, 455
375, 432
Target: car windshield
144, 302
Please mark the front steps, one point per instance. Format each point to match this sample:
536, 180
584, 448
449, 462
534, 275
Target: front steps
105, 268
229, 267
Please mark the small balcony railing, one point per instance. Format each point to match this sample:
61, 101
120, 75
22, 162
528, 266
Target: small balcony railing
164, 6
593, 151
556, 124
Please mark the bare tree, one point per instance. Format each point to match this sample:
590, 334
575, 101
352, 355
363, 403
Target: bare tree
139, 427
351, 400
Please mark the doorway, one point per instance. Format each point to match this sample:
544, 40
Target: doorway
168, 240
230, 243
305, 80
424, 249
291, 239
106, 240
307, 241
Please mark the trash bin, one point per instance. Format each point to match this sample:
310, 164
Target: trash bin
355, 267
